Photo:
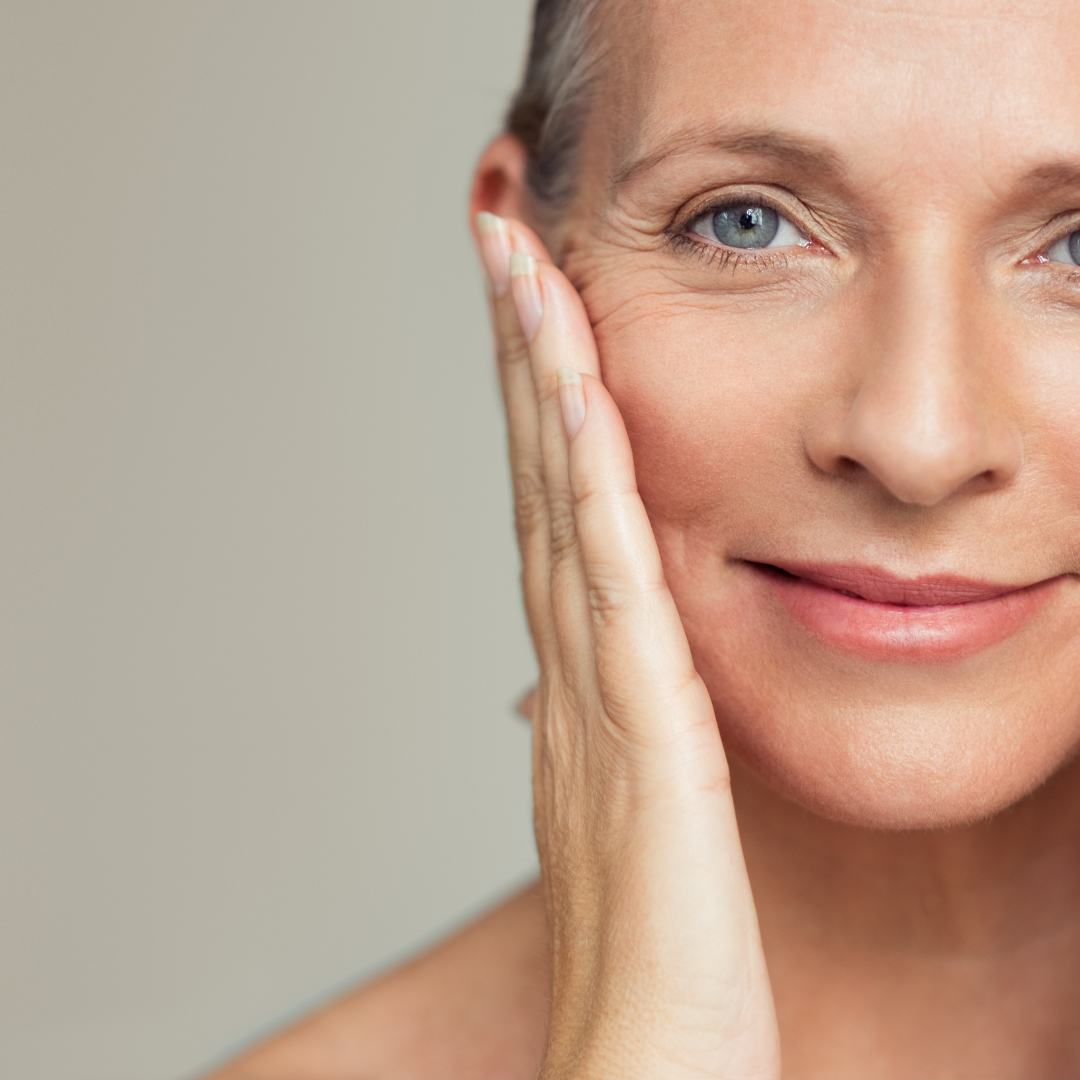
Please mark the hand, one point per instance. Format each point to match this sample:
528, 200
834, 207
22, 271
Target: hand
657, 965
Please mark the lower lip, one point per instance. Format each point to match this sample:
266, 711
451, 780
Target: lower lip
899, 632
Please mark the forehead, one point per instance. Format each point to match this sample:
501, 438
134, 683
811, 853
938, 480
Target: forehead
882, 87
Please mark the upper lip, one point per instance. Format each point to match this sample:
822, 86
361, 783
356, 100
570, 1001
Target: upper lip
882, 587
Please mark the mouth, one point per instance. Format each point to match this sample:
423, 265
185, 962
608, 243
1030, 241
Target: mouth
875, 614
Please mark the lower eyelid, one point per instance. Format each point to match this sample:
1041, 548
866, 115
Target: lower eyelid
720, 255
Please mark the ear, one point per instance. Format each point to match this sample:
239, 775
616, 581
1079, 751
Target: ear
499, 182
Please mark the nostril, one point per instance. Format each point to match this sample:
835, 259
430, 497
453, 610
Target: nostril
919, 455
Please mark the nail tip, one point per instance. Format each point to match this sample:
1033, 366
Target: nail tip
568, 377
521, 265
488, 223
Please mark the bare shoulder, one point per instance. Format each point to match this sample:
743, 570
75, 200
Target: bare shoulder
474, 1007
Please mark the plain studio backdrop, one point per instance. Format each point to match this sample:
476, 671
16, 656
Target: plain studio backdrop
261, 633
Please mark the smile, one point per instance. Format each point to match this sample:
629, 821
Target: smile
874, 614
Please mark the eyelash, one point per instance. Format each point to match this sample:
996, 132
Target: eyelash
719, 258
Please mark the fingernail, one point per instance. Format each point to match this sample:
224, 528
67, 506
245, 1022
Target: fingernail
526, 286
572, 400
495, 248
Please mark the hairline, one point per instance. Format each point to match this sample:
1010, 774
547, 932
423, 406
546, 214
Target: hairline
549, 110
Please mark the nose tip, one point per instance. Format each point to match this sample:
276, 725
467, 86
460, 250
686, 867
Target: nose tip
930, 408
929, 451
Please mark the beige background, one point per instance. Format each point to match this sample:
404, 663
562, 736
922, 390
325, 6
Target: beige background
260, 625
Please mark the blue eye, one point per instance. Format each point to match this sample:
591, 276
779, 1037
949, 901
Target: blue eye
1066, 250
747, 225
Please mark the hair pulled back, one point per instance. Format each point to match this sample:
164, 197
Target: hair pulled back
548, 110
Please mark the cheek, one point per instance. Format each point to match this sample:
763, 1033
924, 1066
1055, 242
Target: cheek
715, 405
1052, 446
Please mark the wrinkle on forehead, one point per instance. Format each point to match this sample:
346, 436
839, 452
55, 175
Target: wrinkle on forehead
942, 87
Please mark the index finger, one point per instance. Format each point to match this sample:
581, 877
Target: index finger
496, 239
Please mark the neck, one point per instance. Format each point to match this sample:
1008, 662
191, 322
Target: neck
921, 941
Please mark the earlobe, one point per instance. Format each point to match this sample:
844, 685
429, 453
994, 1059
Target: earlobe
499, 182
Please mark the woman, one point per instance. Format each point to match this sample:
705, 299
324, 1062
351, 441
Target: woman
787, 303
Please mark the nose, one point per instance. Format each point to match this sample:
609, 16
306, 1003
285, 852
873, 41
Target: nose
925, 416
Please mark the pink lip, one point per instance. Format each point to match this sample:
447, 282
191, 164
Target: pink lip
873, 613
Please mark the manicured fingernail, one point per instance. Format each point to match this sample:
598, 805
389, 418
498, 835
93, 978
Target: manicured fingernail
495, 248
526, 287
572, 400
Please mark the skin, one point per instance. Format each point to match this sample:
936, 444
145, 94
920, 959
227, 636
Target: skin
902, 393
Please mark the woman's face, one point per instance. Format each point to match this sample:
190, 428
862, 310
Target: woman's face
825, 247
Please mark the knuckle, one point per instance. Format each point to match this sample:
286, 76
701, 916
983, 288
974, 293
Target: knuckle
564, 541
530, 502
510, 348
609, 591
613, 596
607, 600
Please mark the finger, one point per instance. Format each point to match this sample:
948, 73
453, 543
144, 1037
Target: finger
557, 329
646, 672
523, 432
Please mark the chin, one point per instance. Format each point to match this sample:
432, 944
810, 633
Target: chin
911, 769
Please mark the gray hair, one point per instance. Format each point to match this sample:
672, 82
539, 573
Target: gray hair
548, 111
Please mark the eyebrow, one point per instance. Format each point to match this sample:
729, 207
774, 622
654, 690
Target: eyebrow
804, 153
1051, 176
